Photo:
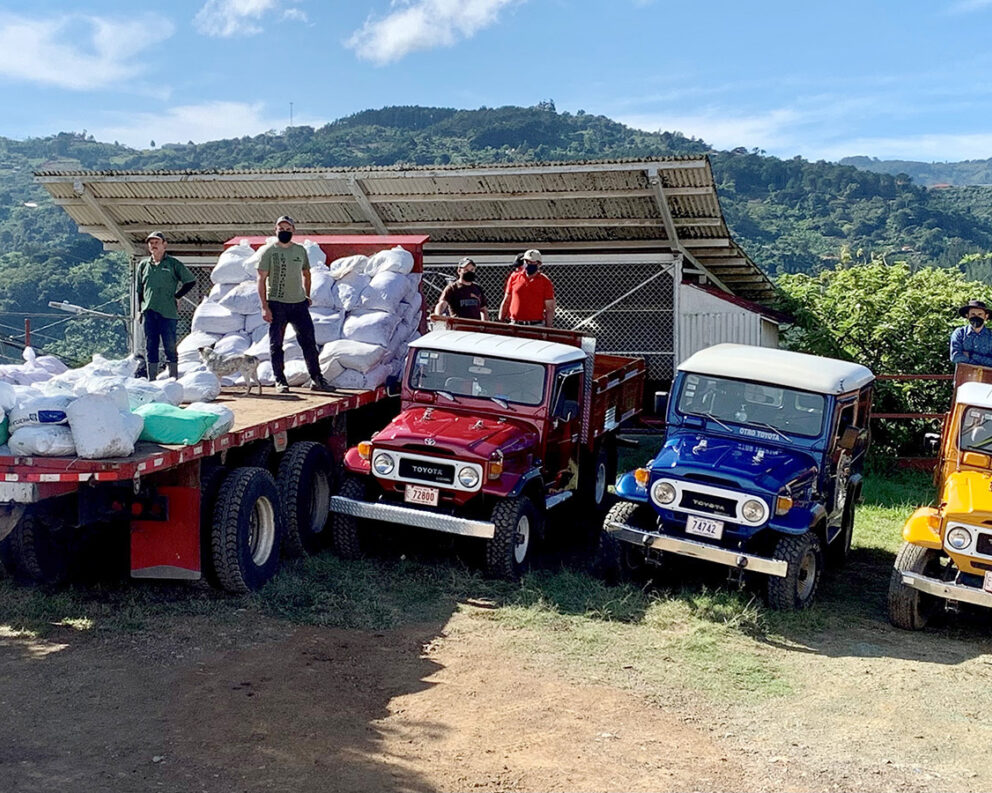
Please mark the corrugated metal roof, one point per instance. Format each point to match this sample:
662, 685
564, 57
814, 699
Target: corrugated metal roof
611, 205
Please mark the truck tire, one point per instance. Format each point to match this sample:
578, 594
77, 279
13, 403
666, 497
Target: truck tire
909, 608
839, 551
247, 531
346, 529
517, 524
616, 562
305, 489
211, 479
796, 591
35, 553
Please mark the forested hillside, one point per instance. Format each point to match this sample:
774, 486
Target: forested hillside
927, 174
790, 215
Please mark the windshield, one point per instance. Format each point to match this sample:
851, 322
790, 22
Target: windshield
461, 374
772, 408
976, 430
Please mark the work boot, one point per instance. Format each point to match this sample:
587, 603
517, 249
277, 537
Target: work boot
320, 384
151, 370
174, 370
282, 388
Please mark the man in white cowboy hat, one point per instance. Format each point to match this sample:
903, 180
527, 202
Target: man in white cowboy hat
972, 343
530, 295
284, 289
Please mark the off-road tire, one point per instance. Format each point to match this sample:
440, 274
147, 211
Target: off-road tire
33, 553
305, 489
518, 525
211, 479
247, 530
346, 530
797, 590
909, 608
614, 560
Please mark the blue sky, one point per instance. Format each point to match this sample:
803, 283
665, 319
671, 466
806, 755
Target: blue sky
889, 79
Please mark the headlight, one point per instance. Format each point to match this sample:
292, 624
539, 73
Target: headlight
383, 464
959, 538
752, 510
662, 493
468, 477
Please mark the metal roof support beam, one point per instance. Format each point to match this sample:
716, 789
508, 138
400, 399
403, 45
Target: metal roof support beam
366, 206
81, 190
654, 179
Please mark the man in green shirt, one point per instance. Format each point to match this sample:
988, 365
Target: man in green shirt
161, 280
284, 289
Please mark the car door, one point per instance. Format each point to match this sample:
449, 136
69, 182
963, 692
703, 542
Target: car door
561, 470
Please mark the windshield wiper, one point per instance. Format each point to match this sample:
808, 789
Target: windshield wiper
777, 431
711, 416
501, 402
446, 395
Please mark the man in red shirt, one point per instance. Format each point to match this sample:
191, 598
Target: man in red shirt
530, 295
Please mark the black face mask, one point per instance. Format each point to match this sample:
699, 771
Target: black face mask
468, 276
284, 236
976, 322
531, 269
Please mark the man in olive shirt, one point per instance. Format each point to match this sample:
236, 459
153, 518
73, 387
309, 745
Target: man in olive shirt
161, 280
284, 289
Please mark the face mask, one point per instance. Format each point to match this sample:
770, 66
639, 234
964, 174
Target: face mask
468, 276
976, 322
531, 269
284, 236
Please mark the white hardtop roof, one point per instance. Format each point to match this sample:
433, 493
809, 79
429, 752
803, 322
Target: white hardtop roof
779, 367
497, 346
978, 395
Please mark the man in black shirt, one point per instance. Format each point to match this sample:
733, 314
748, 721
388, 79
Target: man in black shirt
464, 298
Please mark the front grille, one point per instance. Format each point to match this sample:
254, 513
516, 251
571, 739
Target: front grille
423, 448
713, 505
984, 544
711, 480
424, 471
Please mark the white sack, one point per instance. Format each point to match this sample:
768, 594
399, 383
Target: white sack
352, 354
349, 378
330, 368
384, 292
200, 386
100, 429
232, 267
291, 350
251, 263
296, 372
214, 318
126, 367
315, 255
8, 397
225, 418
51, 364
43, 410
327, 327
253, 322
322, 292
172, 390
397, 260
233, 344
243, 299
372, 327
48, 441
194, 341
217, 292
347, 264
261, 332
265, 375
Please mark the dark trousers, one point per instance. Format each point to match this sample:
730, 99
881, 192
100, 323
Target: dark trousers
297, 315
159, 329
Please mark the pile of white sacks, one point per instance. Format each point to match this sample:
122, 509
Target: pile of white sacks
365, 310
90, 411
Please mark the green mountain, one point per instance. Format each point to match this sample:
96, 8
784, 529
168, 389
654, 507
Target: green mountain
789, 215
928, 174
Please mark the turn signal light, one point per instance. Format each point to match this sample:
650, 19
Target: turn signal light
782, 505
976, 459
642, 476
495, 468
365, 450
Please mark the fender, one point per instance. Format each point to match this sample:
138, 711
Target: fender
353, 462
923, 528
523, 481
628, 489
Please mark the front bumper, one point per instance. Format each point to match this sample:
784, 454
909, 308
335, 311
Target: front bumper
409, 516
697, 550
948, 590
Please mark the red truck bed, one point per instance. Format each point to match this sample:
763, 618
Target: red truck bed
255, 417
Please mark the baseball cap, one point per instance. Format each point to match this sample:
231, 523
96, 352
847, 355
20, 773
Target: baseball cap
286, 219
533, 255
155, 235
464, 261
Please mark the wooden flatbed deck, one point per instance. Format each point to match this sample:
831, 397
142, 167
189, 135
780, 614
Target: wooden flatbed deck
255, 417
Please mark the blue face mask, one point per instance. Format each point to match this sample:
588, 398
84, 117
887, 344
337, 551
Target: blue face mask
531, 268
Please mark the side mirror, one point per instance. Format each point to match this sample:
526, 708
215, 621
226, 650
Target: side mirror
931, 440
660, 403
849, 439
567, 410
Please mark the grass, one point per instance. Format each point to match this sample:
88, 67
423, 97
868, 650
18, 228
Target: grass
688, 629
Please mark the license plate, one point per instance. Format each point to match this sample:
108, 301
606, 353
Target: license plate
704, 527
987, 583
417, 494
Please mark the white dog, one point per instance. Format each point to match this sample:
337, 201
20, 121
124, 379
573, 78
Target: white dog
224, 366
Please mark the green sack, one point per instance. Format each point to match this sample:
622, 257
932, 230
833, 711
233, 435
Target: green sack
5, 429
168, 424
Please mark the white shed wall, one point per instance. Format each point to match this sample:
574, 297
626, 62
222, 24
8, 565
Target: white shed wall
705, 320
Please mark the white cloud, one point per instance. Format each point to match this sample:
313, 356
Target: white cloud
229, 18
723, 130
198, 123
423, 25
925, 148
81, 53
968, 6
